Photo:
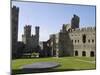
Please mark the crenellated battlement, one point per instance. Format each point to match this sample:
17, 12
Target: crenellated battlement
68, 28
27, 26
15, 8
83, 29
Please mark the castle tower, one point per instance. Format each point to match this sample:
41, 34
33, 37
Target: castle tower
75, 22
27, 30
14, 28
37, 34
37, 30
27, 34
64, 28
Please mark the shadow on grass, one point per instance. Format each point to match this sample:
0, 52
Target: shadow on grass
28, 71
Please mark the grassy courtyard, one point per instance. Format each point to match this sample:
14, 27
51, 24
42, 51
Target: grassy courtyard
66, 63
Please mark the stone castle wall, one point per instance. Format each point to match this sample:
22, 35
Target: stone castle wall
78, 42
81, 43
75, 42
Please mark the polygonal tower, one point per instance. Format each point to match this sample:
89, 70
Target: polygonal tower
14, 28
75, 22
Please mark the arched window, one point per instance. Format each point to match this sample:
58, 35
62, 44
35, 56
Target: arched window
84, 38
83, 53
76, 53
92, 53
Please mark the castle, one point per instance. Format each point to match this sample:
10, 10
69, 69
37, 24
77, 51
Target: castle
30, 41
69, 41
74, 41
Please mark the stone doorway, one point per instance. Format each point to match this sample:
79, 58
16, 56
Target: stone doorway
92, 53
76, 53
83, 53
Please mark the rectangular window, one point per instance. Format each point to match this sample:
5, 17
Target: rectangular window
88, 41
92, 41
72, 40
78, 41
84, 38
75, 41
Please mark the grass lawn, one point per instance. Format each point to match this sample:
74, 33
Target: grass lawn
67, 63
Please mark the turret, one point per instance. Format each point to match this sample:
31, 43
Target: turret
14, 29
75, 22
37, 33
27, 30
37, 30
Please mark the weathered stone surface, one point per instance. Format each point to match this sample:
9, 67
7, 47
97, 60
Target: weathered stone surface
74, 42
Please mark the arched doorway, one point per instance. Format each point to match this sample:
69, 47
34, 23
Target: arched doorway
92, 53
83, 53
76, 53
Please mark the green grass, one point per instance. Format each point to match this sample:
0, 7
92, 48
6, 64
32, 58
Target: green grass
86, 58
65, 62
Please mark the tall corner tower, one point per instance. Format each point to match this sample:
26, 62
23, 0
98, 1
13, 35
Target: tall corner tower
75, 22
14, 28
